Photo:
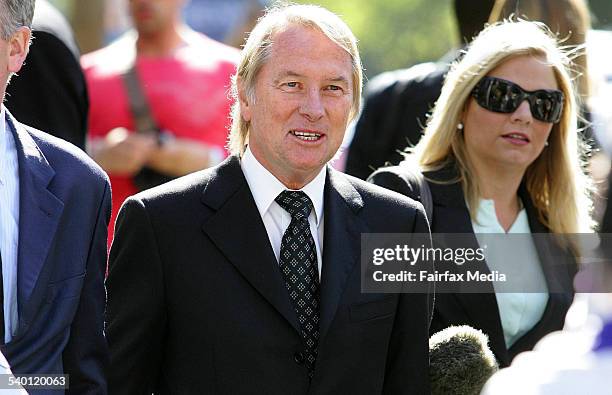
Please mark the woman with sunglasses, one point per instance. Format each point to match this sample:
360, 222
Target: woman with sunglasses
501, 154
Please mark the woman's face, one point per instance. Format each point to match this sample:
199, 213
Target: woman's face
514, 140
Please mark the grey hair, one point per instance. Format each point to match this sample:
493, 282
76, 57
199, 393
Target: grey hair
15, 14
258, 47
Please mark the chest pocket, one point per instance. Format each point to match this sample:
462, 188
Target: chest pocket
65, 289
376, 309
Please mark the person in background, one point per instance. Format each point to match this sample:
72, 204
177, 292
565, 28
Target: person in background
50, 93
159, 100
228, 21
54, 213
397, 102
501, 155
245, 278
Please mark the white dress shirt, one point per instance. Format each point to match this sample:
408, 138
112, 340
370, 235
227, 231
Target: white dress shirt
9, 223
519, 312
265, 188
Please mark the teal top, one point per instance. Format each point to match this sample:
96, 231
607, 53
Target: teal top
517, 256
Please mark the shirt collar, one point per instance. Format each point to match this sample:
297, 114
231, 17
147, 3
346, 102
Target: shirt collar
486, 218
265, 187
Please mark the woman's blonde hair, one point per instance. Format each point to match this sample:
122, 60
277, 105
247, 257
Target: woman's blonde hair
556, 182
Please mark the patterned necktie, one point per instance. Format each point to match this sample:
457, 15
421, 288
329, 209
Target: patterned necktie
298, 263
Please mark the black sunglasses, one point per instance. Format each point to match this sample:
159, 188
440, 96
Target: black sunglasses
497, 95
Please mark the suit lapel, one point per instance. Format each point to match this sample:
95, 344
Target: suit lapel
39, 212
341, 245
559, 267
556, 263
236, 228
451, 215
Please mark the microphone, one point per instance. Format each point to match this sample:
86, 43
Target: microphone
460, 361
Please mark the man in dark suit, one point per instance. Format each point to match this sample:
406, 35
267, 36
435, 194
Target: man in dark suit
53, 62
398, 102
244, 278
53, 217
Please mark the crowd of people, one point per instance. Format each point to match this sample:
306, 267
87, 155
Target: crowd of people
171, 222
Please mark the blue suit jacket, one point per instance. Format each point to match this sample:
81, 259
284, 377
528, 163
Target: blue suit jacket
64, 209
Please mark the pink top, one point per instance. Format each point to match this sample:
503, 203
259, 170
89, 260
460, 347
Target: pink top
188, 93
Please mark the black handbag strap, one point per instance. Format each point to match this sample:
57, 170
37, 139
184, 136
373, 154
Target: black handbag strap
139, 106
424, 192
144, 123
416, 186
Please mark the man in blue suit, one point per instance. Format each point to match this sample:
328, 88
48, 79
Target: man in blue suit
54, 211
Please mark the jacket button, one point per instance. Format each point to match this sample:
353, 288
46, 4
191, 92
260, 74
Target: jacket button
298, 357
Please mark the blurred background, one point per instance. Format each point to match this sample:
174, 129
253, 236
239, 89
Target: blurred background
393, 33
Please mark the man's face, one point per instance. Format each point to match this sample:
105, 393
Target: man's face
152, 16
303, 96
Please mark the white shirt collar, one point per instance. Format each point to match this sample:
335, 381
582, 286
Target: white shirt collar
265, 187
487, 222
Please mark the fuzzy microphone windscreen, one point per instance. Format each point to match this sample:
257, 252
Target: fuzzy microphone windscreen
460, 361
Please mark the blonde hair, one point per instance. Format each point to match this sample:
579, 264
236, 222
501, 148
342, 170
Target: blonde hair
257, 50
556, 182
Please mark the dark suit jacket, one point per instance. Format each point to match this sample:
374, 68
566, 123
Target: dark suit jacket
64, 209
49, 93
197, 303
393, 117
451, 215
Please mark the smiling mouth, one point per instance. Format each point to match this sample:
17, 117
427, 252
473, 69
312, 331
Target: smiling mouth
306, 136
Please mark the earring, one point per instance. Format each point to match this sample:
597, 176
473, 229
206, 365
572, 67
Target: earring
546, 143
460, 126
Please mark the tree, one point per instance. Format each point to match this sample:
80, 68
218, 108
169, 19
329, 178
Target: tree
602, 13
394, 34
87, 20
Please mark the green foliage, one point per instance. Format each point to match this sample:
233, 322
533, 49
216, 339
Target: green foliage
601, 10
397, 33
65, 6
